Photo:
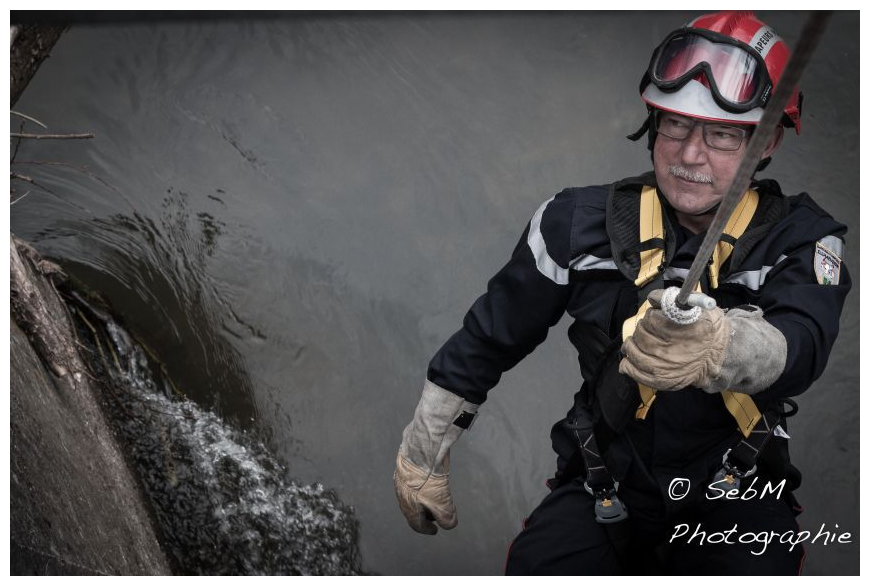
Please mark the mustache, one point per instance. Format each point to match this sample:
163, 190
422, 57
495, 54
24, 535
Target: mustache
688, 175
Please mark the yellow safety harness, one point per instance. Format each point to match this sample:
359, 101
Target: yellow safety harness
653, 261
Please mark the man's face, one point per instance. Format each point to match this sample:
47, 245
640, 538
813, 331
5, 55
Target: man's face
692, 175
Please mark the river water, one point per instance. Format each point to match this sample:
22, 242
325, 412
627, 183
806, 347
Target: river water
294, 214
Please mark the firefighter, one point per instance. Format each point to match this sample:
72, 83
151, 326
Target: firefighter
670, 417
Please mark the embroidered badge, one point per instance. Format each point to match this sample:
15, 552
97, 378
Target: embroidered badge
827, 265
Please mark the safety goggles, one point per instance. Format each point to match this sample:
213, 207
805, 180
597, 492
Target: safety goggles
735, 73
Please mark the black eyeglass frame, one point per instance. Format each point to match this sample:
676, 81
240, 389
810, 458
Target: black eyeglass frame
744, 129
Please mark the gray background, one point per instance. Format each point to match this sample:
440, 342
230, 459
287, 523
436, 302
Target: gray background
295, 214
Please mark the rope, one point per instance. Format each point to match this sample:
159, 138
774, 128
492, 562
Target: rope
807, 42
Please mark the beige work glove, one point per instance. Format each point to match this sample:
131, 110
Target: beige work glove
737, 351
423, 461
667, 356
755, 356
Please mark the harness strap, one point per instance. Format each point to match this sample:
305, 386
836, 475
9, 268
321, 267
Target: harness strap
597, 476
745, 454
741, 406
647, 394
652, 261
743, 409
741, 461
651, 227
735, 227
609, 509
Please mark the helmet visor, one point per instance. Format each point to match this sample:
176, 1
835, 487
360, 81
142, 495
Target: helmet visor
731, 71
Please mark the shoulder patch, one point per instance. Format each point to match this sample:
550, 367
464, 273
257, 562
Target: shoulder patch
827, 260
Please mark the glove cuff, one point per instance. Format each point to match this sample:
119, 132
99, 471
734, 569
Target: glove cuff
427, 439
755, 355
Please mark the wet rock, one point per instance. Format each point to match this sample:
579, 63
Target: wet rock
75, 506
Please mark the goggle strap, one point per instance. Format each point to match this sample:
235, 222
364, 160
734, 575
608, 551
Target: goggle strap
635, 136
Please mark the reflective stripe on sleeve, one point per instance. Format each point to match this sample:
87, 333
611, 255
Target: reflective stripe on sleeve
753, 280
833, 244
545, 263
588, 262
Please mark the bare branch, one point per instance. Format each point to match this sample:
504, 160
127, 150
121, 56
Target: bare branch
26, 117
47, 190
19, 141
41, 136
19, 198
80, 169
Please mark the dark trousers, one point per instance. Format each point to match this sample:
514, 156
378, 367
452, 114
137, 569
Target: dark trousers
562, 537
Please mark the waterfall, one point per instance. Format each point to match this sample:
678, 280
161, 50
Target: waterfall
223, 503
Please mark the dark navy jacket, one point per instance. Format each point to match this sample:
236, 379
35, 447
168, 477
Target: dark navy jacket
565, 261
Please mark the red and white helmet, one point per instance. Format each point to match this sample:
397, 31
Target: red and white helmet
722, 66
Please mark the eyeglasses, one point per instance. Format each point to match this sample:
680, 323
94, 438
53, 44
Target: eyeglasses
723, 137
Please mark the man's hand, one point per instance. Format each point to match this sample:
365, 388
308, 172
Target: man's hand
423, 462
734, 351
424, 499
668, 356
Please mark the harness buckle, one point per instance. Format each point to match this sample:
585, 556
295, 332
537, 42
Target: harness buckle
608, 507
734, 470
729, 476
